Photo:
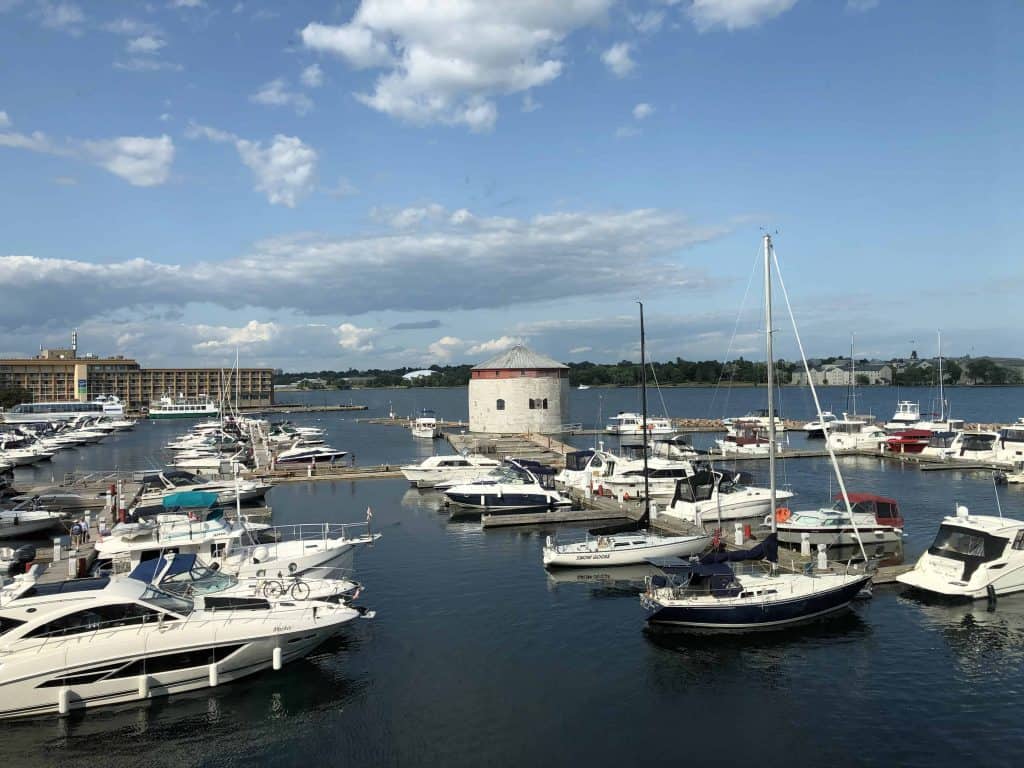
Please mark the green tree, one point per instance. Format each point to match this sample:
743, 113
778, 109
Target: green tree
951, 371
11, 396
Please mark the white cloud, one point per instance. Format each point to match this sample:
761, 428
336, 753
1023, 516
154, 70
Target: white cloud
580, 350
445, 348
4, 119
140, 160
408, 218
642, 111
146, 44
186, 4
448, 62
735, 14
495, 345
67, 17
354, 338
618, 60
647, 22
312, 76
165, 116
484, 263
277, 94
285, 170
221, 338
138, 64
131, 27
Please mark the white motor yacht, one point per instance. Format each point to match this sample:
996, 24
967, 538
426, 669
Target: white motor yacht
972, 557
509, 488
712, 495
848, 434
156, 486
877, 519
1010, 446
26, 521
90, 642
425, 425
974, 446
438, 469
940, 445
626, 423
302, 452
758, 416
746, 438
908, 414
816, 428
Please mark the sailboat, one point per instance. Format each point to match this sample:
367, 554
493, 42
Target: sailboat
629, 543
714, 595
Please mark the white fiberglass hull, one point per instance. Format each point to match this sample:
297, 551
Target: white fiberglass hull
839, 538
590, 554
739, 506
428, 478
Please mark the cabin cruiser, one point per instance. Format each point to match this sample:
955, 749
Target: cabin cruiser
89, 642
156, 486
302, 452
848, 434
509, 488
749, 438
625, 423
908, 414
876, 520
437, 469
679, 446
972, 445
758, 416
908, 441
630, 480
1015, 475
816, 428
425, 425
209, 462
23, 457
1010, 447
26, 520
972, 557
717, 494
940, 445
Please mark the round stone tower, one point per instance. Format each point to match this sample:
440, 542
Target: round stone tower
518, 391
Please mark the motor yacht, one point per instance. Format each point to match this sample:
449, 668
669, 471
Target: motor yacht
26, 520
437, 469
816, 428
848, 434
908, 413
908, 441
972, 557
940, 445
974, 446
509, 488
425, 425
712, 495
1010, 446
746, 438
90, 642
877, 518
301, 452
626, 423
156, 486
757, 416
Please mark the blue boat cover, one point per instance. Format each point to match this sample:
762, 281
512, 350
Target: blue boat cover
146, 570
190, 499
766, 550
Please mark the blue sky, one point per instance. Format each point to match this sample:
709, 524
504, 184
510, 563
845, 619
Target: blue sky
399, 182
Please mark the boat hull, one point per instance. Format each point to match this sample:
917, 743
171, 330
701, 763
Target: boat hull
567, 557
839, 538
758, 616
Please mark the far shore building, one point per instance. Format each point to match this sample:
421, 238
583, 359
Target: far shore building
838, 374
62, 375
518, 391
425, 373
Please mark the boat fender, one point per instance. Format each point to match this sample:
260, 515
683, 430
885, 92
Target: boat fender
782, 514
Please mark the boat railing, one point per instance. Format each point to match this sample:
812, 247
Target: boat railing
315, 532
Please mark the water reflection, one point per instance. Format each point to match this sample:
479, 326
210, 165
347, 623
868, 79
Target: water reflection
621, 581
982, 636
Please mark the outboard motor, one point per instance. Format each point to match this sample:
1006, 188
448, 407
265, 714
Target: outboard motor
22, 555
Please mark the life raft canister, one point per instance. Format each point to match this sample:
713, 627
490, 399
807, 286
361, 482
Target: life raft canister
782, 514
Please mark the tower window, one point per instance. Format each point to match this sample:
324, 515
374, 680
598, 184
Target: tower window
545, 403
500, 405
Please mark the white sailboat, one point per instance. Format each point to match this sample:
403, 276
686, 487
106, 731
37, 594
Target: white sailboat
716, 596
631, 543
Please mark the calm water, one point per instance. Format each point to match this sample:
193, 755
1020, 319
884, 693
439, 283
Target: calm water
478, 657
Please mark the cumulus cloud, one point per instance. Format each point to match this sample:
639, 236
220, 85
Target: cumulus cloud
642, 111
354, 338
735, 14
445, 348
146, 44
221, 338
312, 76
448, 62
489, 263
276, 93
618, 60
285, 170
142, 161
495, 345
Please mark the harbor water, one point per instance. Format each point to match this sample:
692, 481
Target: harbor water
478, 656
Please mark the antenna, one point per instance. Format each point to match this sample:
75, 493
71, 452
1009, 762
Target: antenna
74, 341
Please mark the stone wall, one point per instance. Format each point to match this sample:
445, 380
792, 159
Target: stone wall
517, 416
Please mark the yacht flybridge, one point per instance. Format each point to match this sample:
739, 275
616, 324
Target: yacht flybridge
90, 642
438, 469
972, 557
626, 423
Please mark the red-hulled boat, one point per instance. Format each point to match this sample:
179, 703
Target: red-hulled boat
908, 440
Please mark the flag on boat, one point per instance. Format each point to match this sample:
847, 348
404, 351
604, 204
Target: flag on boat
369, 514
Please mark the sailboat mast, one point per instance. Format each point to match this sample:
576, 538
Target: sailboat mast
769, 357
942, 399
643, 401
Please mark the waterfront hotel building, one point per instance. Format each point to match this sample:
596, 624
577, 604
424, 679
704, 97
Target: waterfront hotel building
61, 375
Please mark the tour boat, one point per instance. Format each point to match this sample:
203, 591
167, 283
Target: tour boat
625, 423
437, 469
90, 642
972, 557
183, 408
908, 441
63, 410
425, 425
877, 519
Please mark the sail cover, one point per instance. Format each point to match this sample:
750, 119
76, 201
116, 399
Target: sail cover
766, 550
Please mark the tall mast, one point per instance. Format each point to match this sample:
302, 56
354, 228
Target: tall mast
769, 356
643, 400
853, 375
942, 399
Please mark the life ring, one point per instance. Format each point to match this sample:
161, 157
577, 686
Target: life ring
782, 514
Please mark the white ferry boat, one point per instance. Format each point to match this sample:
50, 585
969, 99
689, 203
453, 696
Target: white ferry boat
64, 410
183, 408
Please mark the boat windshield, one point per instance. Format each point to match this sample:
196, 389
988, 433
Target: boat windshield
200, 580
167, 602
960, 542
867, 507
